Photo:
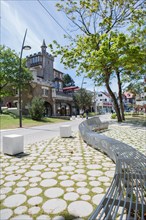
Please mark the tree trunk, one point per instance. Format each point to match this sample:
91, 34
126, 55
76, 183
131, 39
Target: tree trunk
120, 95
116, 106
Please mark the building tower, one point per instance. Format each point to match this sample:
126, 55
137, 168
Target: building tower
43, 47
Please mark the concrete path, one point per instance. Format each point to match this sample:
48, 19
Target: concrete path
38, 133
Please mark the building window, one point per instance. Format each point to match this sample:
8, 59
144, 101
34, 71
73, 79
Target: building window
99, 95
36, 59
45, 92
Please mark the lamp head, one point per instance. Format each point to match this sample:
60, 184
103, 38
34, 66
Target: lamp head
26, 47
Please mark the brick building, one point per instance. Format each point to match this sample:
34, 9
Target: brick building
47, 83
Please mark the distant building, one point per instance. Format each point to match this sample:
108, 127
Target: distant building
140, 104
128, 100
47, 83
104, 102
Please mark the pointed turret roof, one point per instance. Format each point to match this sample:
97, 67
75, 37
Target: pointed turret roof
44, 44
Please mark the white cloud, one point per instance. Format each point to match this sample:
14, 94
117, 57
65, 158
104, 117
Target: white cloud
17, 15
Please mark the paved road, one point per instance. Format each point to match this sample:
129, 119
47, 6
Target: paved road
38, 133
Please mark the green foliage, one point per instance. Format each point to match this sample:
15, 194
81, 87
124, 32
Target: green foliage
9, 77
83, 99
114, 116
136, 88
101, 49
68, 81
37, 108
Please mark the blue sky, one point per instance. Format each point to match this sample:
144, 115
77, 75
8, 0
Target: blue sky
17, 15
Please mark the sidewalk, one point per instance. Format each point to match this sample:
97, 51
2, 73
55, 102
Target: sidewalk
60, 178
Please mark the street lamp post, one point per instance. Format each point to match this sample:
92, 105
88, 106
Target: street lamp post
20, 86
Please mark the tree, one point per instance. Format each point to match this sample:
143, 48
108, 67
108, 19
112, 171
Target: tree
83, 99
68, 81
93, 48
37, 108
9, 76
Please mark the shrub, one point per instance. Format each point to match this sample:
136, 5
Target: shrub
37, 108
113, 116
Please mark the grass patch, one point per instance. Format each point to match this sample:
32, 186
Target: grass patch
10, 122
138, 120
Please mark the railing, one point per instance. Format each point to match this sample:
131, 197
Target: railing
126, 197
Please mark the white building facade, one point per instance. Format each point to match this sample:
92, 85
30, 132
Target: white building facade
103, 102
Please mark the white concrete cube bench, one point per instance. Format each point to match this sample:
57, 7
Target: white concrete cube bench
65, 131
13, 144
73, 117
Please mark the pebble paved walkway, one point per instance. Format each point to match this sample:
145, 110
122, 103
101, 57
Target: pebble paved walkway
132, 135
60, 179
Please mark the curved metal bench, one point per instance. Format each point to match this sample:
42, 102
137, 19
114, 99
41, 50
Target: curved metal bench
127, 193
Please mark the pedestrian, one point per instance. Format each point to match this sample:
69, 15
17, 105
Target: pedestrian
82, 113
86, 111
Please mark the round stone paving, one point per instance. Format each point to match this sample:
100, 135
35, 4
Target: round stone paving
94, 166
33, 173
97, 199
109, 173
33, 191
81, 184
79, 177
55, 165
5, 190
103, 179
95, 183
38, 167
5, 214
48, 182
20, 210
54, 206
19, 190
67, 168
13, 177
71, 196
22, 217
82, 190
22, 183
34, 210
97, 190
80, 208
67, 183
14, 200
35, 179
35, 200
63, 177
11, 168
58, 218
85, 197
54, 192
43, 217
48, 175
95, 173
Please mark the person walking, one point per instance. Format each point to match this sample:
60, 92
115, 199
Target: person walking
86, 111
